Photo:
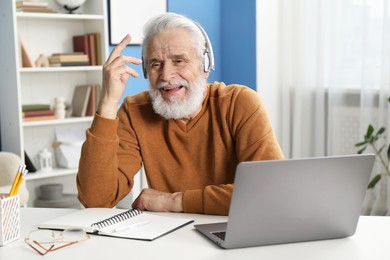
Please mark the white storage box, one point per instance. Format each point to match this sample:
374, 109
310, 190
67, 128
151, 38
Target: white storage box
67, 147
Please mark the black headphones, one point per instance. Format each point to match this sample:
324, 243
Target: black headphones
208, 54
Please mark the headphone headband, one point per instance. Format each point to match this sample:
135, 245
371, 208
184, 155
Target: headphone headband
208, 55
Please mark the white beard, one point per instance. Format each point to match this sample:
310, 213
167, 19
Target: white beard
179, 108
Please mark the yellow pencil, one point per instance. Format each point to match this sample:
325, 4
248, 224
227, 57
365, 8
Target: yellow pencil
16, 180
25, 171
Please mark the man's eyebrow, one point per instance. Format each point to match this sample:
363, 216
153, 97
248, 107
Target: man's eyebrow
153, 60
178, 56
171, 57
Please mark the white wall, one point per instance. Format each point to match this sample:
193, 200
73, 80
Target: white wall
267, 58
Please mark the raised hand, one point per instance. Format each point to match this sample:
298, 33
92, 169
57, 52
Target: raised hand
116, 72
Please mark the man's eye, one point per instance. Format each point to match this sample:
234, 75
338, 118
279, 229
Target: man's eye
178, 61
155, 65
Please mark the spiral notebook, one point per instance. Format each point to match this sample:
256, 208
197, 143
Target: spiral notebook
132, 224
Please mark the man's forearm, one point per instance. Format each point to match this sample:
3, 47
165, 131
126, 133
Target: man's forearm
96, 178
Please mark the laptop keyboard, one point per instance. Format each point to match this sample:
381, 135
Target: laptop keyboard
221, 234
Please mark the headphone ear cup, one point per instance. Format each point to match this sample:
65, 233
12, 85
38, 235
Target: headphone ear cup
206, 62
144, 69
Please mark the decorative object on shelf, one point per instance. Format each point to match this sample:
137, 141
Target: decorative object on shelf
45, 160
52, 196
29, 164
70, 5
68, 109
59, 107
27, 62
42, 61
67, 146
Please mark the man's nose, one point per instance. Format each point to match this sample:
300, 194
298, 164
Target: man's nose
168, 71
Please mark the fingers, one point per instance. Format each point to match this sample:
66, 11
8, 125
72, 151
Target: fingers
120, 60
137, 204
115, 59
119, 48
144, 201
117, 66
116, 52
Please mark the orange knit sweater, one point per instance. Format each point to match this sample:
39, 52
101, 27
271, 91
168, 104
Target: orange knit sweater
198, 158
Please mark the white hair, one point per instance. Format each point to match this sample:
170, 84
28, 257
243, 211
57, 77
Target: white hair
172, 21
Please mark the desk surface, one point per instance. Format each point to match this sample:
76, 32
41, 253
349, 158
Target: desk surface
370, 242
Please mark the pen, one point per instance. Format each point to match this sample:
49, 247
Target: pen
139, 224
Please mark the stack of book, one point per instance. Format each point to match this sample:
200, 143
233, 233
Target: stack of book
89, 44
68, 59
33, 6
35, 112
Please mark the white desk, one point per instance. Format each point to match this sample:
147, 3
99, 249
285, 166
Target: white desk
371, 241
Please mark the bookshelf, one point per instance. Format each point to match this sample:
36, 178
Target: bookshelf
44, 33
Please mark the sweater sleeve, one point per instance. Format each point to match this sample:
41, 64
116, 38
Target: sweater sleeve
100, 180
214, 200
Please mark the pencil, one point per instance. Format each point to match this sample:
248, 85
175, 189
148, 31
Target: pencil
15, 183
24, 172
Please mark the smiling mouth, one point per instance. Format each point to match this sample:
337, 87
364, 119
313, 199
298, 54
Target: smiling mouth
168, 89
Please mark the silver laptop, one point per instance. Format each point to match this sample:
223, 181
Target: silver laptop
295, 200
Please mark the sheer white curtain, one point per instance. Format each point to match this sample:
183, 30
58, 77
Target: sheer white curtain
324, 74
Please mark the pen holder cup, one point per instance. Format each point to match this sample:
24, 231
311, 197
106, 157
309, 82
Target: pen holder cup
9, 219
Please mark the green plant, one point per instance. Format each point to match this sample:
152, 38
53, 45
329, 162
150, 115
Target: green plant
371, 140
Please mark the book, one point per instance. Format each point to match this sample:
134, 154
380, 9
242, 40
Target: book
98, 49
89, 44
92, 102
92, 48
21, 3
35, 107
39, 118
121, 223
47, 112
69, 63
74, 57
81, 44
68, 59
33, 6
35, 9
80, 100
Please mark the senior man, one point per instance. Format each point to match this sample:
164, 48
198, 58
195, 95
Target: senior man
189, 134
